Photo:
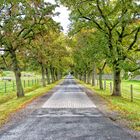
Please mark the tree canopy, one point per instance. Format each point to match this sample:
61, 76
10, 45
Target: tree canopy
103, 37
118, 21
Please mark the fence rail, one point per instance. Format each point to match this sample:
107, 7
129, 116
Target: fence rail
129, 91
9, 86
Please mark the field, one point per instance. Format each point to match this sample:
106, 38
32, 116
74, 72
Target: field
126, 88
8, 84
8, 87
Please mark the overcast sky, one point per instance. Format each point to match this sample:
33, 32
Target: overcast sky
63, 18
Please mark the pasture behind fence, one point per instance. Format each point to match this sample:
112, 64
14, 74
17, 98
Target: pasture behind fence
7, 86
129, 91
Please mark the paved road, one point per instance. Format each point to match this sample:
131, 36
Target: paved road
67, 115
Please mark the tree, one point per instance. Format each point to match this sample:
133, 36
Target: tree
18, 28
89, 55
118, 20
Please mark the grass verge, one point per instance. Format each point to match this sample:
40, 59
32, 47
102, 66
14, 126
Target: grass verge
129, 111
4, 97
13, 104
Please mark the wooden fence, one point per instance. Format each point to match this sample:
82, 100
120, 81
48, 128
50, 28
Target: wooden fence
9, 86
130, 92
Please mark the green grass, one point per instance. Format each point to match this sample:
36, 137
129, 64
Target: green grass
29, 79
10, 86
128, 110
9, 103
11, 74
4, 97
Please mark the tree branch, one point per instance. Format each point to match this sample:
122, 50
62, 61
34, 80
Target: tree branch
132, 70
5, 61
91, 19
102, 15
135, 39
103, 66
125, 35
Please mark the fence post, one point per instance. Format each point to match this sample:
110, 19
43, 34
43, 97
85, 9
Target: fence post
97, 82
111, 87
28, 83
104, 84
131, 90
5, 87
24, 84
32, 82
13, 86
37, 81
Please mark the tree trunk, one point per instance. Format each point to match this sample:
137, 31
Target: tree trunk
80, 77
43, 75
16, 69
59, 75
84, 77
52, 74
20, 91
94, 75
117, 82
55, 74
75, 75
47, 75
88, 77
100, 80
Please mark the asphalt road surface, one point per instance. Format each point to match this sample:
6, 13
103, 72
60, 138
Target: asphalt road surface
68, 114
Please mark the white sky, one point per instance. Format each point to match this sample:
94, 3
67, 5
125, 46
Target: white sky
63, 18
